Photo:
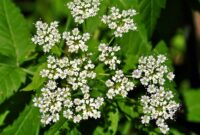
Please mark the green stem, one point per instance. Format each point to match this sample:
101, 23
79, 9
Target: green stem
111, 40
129, 76
103, 74
101, 80
84, 26
28, 71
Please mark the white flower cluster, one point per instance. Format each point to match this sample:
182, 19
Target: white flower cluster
82, 109
76, 41
158, 104
73, 75
120, 22
51, 103
83, 9
76, 72
47, 35
108, 55
67, 88
118, 85
152, 70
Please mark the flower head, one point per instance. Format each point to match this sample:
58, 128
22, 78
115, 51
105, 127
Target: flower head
159, 106
83, 9
152, 70
118, 85
47, 35
120, 22
108, 55
75, 41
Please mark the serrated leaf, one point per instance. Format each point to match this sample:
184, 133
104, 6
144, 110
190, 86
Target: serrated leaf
161, 48
11, 78
14, 33
150, 11
15, 47
192, 100
27, 123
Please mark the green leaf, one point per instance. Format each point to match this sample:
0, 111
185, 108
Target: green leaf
11, 78
150, 11
14, 33
92, 23
125, 128
3, 117
128, 108
28, 123
192, 101
37, 80
161, 48
15, 48
56, 127
113, 117
133, 45
111, 123
74, 131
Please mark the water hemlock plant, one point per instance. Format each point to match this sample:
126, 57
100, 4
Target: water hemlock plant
70, 79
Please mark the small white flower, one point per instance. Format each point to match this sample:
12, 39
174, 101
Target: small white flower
136, 73
170, 76
145, 119
164, 129
51, 85
44, 73
109, 83
77, 119
160, 122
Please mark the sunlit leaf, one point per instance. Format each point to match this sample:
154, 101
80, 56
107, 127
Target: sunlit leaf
27, 123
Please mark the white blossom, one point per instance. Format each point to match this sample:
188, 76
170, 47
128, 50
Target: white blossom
152, 70
108, 55
76, 41
46, 35
118, 85
50, 103
54, 100
159, 106
120, 22
83, 9
145, 119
